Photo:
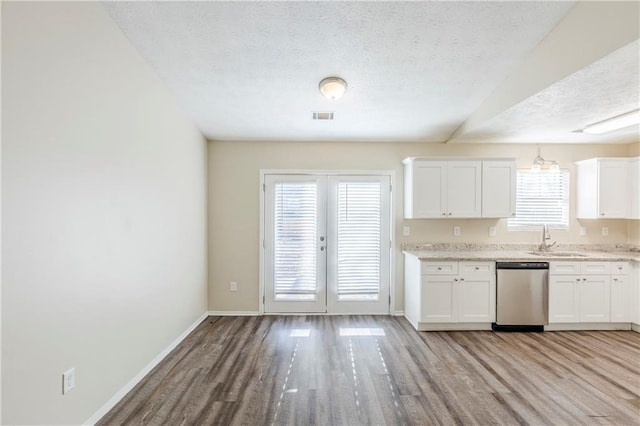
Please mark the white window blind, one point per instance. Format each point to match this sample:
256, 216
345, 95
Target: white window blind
542, 198
358, 254
295, 240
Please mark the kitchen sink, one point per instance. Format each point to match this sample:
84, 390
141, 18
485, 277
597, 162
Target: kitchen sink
557, 254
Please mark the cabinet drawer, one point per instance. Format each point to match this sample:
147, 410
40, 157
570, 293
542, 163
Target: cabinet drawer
468, 269
439, 268
595, 268
620, 268
564, 268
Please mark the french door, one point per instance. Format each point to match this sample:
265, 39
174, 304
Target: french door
327, 243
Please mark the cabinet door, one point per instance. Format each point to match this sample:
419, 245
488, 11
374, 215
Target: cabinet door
621, 297
613, 189
476, 299
595, 296
464, 189
634, 182
429, 183
437, 299
498, 188
563, 298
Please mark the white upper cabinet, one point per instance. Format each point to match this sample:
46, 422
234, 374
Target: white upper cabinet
447, 188
425, 192
499, 188
464, 188
605, 189
439, 189
634, 182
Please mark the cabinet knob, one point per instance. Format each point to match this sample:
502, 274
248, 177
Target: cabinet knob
513, 214
461, 279
615, 279
449, 214
601, 214
439, 268
584, 279
444, 214
477, 268
577, 279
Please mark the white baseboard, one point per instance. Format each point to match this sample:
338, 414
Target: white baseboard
467, 326
596, 326
257, 313
233, 313
635, 327
138, 377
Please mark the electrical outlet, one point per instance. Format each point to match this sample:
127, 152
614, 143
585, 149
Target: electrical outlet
233, 286
605, 231
583, 231
456, 231
492, 231
68, 380
406, 231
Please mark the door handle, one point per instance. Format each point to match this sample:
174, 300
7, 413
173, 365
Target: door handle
321, 238
321, 248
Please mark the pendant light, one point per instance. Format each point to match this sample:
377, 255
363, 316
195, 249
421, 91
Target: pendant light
539, 163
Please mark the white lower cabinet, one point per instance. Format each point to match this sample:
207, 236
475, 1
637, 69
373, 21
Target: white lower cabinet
594, 298
589, 292
563, 298
476, 301
438, 301
622, 292
449, 293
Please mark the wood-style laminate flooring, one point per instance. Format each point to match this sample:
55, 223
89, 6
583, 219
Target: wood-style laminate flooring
359, 370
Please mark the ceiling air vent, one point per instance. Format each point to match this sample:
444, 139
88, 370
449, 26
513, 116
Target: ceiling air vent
323, 116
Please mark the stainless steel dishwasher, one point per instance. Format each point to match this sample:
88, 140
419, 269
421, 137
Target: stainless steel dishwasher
522, 296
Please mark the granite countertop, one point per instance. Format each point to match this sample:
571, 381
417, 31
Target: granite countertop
520, 253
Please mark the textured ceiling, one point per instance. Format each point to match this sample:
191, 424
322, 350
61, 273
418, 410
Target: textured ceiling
606, 88
416, 70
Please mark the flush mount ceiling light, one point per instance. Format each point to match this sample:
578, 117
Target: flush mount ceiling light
614, 123
540, 162
333, 87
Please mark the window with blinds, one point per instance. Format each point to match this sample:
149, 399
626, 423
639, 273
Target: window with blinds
358, 244
295, 240
542, 198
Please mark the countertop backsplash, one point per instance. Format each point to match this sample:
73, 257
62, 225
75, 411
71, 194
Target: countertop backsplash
617, 248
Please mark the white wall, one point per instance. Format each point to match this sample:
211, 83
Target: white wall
104, 212
234, 192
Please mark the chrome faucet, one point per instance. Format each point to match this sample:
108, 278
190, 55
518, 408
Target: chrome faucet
545, 236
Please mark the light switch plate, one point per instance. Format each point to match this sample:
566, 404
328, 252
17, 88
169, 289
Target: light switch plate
233, 286
406, 231
583, 231
492, 231
456, 231
605, 231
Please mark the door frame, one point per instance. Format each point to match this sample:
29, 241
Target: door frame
392, 226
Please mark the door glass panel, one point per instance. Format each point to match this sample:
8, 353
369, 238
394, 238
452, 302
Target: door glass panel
295, 241
358, 243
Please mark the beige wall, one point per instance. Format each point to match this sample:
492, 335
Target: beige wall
234, 169
103, 212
